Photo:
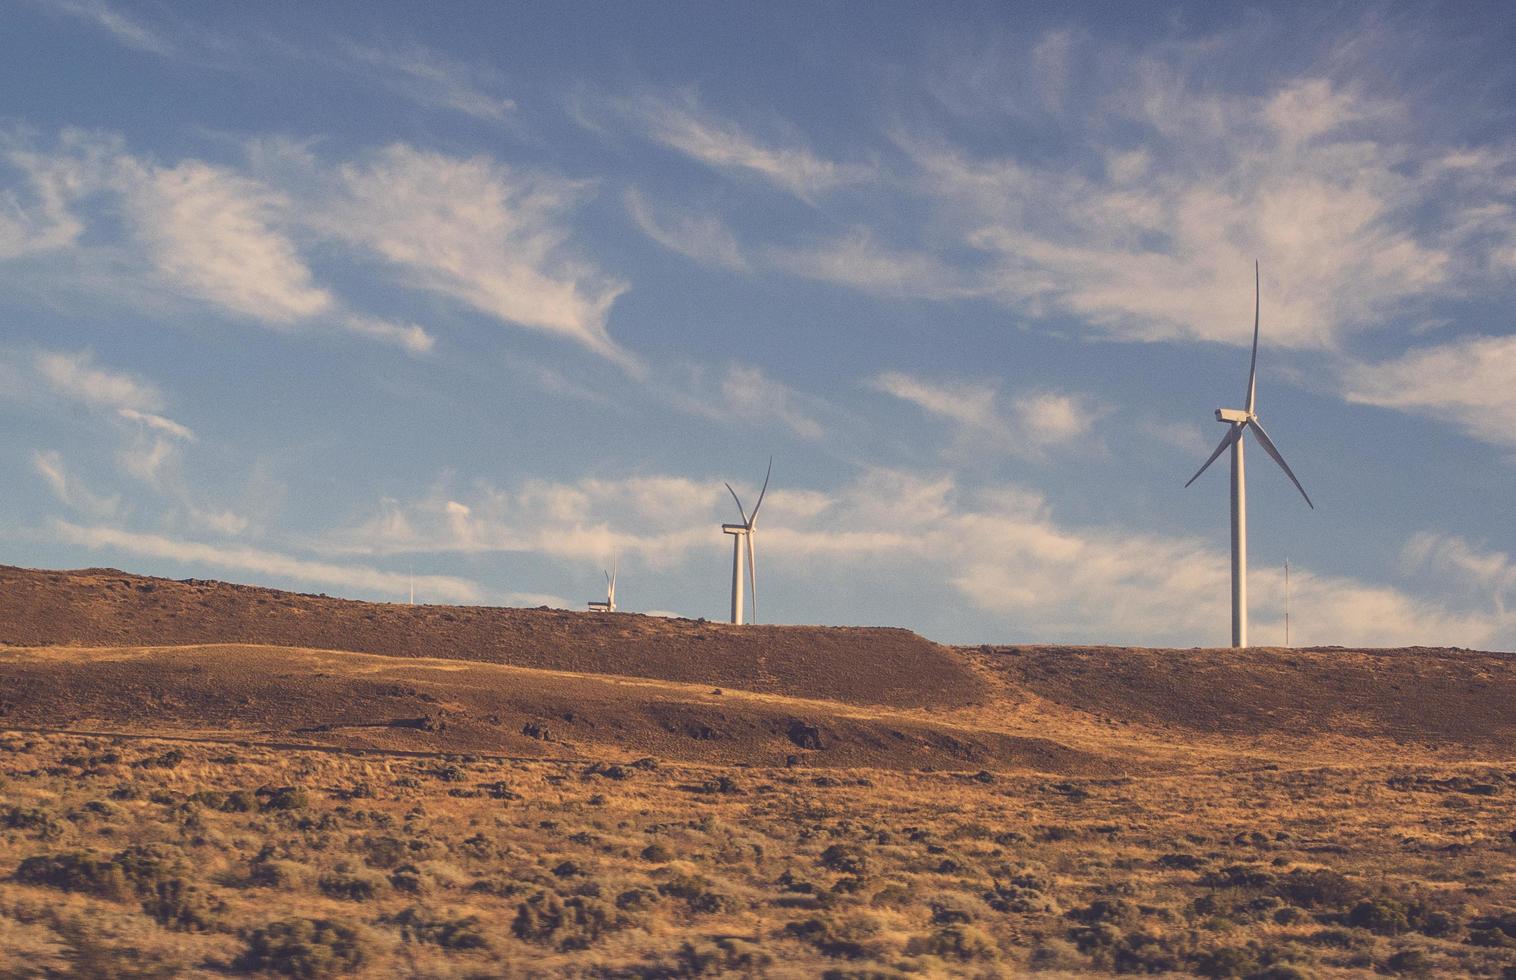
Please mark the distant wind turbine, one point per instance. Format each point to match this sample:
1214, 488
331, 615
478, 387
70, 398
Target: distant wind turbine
609, 605
1239, 421
743, 534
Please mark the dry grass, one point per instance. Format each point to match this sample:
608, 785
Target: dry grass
139, 857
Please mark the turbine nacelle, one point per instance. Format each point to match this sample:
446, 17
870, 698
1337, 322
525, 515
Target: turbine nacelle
735, 528
1235, 416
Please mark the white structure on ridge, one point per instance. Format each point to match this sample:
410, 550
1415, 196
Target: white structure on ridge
609, 605
1239, 420
742, 534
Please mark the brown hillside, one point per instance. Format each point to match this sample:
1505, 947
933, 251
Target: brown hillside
105, 607
1419, 694
352, 700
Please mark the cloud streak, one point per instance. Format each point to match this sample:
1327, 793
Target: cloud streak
1028, 425
258, 561
1469, 382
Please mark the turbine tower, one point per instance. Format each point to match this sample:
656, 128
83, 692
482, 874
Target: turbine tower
1238, 421
609, 605
742, 534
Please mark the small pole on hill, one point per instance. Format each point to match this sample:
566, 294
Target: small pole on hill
1286, 603
413, 587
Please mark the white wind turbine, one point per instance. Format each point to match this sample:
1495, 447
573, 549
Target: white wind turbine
743, 534
609, 605
1240, 420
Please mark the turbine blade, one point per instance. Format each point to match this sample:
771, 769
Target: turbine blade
752, 575
1231, 436
763, 491
1268, 447
740, 509
1253, 368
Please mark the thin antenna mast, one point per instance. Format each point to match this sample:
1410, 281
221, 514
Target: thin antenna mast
1287, 603
413, 587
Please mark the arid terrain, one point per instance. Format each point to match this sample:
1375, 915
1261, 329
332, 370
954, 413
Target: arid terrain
199, 779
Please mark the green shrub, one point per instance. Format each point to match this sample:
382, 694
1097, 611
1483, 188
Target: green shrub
573, 923
461, 933
283, 798
353, 887
309, 949
699, 894
1381, 916
1226, 961
845, 859
31, 818
964, 943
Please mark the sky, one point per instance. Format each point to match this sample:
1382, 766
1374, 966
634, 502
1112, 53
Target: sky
345, 297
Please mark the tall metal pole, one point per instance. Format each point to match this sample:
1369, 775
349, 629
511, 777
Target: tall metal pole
737, 579
1239, 549
1287, 602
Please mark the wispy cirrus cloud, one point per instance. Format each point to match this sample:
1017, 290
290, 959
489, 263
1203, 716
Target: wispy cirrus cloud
496, 239
124, 28
694, 234
484, 233
214, 233
860, 260
682, 124
1027, 424
745, 393
412, 338
69, 489
262, 562
432, 79
1461, 565
1469, 382
77, 376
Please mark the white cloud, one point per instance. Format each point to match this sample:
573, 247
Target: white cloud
1460, 565
745, 393
480, 232
701, 237
431, 79
860, 261
968, 403
68, 489
750, 394
1006, 554
1030, 424
157, 422
38, 217
212, 233
1470, 382
1001, 551
75, 376
408, 336
583, 522
684, 126
108, 18
355, 577
491, 237
146, 459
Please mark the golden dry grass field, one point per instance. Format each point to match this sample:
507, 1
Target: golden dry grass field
199, 779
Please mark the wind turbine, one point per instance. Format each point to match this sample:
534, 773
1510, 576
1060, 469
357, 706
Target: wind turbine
609, 605
743, 534
1239, 420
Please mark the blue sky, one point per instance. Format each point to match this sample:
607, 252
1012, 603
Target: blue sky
327, 296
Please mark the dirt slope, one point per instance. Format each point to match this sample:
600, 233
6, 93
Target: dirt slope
105, 607
420, 704
1428, 695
